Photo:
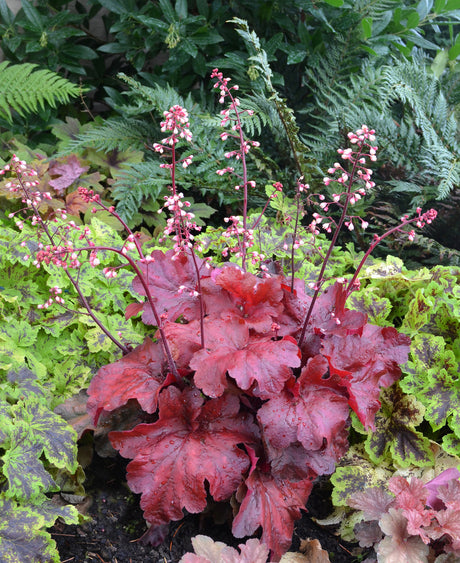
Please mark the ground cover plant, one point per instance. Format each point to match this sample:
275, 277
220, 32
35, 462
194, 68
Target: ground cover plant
246, 387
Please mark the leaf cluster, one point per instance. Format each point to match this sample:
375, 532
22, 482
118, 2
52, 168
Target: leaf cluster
410, 518
45, 358
253, 414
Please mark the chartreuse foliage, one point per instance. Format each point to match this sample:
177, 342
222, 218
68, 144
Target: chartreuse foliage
425, 304
46, 356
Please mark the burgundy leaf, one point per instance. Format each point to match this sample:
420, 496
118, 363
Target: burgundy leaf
257, 299
192, 442
372, 362
295, 462
133, 309
172, 284
313, 415
272, 504
224, 337
332, 317
184, 340
65, 173
138, 375
261, 362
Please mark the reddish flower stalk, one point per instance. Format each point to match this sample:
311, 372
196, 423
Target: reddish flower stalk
33, 200
358, 161
181, 223
243, 234
420, 220
365, 150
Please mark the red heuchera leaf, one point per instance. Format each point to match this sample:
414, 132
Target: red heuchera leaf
66, 173
132, 309
249, 360
331, 316
258, 299
190, 443
165, 276
312, 412
138, 375
272, 504
184, 340
295, 462
372, 360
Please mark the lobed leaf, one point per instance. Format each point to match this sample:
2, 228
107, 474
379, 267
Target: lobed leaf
312, 413
259, 363
191, 442
371, 360
274, 505
138, 375
164, 277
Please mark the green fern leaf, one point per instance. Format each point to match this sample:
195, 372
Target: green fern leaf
24, 88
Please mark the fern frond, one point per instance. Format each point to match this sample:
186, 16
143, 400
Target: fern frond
148, 99
138, 182
436, 158
115, 134
24, 88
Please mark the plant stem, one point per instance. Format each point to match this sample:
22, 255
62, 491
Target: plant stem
140, 275
331, 246
72, 280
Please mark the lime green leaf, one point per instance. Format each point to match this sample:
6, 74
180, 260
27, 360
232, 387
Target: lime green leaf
395, 436
22, 539
19, 333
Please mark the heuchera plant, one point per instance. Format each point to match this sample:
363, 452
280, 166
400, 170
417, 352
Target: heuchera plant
249, 379
417, 522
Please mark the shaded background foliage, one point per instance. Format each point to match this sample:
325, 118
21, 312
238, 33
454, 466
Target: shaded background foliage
390, 63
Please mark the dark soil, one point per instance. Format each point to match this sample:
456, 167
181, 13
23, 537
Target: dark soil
112, 535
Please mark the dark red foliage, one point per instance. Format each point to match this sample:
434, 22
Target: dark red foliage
138, 375
273, 504
192, 442
253, 416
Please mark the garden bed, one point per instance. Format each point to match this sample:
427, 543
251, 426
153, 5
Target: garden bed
112, 535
